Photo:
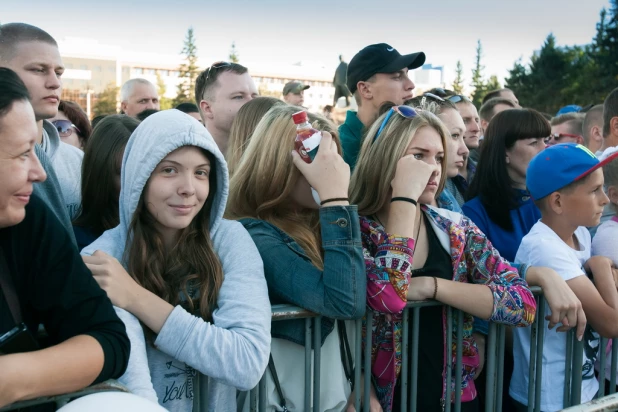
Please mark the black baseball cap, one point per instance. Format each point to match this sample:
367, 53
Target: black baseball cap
379, 58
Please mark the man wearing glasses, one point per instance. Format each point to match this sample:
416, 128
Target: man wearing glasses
33, 54
220, 91
566, 128
377, 74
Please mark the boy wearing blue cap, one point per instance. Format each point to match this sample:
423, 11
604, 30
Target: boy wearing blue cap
566, 183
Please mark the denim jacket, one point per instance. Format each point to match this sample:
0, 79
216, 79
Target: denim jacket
338, 292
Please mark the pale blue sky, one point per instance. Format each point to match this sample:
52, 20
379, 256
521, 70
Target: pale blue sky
318, 30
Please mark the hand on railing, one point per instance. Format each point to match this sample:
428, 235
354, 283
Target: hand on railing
374, 403
566, 309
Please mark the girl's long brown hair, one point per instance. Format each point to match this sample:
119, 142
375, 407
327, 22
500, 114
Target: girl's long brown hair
265, 177
191, 269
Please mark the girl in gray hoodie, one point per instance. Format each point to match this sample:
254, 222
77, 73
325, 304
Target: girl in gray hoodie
188, 284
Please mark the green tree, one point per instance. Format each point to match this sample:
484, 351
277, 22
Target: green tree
604, 53
458, 85
164, 102
493, 84
233, 58
188, 70
107, 101
478, 81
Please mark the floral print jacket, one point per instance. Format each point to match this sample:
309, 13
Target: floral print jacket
388, 262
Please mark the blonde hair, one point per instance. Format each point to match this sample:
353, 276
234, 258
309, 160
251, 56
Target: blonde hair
377, 161
266, 176
243, 126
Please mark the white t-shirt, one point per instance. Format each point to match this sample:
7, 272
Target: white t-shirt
605, 242
543, 247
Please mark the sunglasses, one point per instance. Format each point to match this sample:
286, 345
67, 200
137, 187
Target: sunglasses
556, 137
405, 111
456, 98
65, 127
216, 66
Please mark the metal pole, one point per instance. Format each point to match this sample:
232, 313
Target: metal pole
404, 360
449, 359
253, 400
357, 354
612, 377
566, 400
367, 361
490, 370
532, 362
415, 339
458, 363
578, 361
602, 361
317, 352
540, 313
262, 393
500, 356
307, 364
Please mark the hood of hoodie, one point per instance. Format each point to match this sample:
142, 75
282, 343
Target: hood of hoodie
155, 138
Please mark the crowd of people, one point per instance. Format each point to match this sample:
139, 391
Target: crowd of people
151, 244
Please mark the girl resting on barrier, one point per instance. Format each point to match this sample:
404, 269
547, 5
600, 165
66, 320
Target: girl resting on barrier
192, 279
414, 251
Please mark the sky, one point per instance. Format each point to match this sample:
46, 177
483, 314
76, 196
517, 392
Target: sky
283, 31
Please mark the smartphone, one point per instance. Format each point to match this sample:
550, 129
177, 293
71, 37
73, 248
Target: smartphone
18, 340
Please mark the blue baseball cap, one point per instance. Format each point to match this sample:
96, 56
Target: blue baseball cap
559, 166
572, 108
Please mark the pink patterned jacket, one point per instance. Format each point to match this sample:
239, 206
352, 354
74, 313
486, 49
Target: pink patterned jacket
388, 262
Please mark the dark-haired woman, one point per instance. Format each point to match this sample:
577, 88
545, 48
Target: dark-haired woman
72, 124
194, 280
101, 178
499, 203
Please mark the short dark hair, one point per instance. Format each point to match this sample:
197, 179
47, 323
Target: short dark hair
207, 79
97, 119
593, 116
491, 182
610, 110
487, 109
495, 93
187, 108
78, 117
12, 89
11, 34
102, 159
141, 116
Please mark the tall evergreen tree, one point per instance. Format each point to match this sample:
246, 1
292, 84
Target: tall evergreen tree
493, 84
188, 70
478, 81
604, 52
458, 85
233, 58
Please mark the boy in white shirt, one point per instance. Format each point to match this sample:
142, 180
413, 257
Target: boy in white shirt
567, 184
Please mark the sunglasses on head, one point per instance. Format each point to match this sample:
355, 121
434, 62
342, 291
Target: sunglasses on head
216, 66
405, 111
65, 127
455, 99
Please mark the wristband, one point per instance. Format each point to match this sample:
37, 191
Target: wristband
404, 199
334, 199
435, 287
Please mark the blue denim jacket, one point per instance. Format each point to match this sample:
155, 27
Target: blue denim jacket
338, 292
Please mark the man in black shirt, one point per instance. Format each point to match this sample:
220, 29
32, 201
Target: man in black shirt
42, 280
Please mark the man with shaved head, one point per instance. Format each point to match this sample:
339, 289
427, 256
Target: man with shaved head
33, 54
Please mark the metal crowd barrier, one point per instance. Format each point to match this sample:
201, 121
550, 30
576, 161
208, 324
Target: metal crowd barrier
494, 366
61, 400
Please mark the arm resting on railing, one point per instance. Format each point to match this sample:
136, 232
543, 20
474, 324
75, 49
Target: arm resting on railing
66, 367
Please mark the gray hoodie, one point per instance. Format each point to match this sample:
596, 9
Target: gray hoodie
233, 352
67, 163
